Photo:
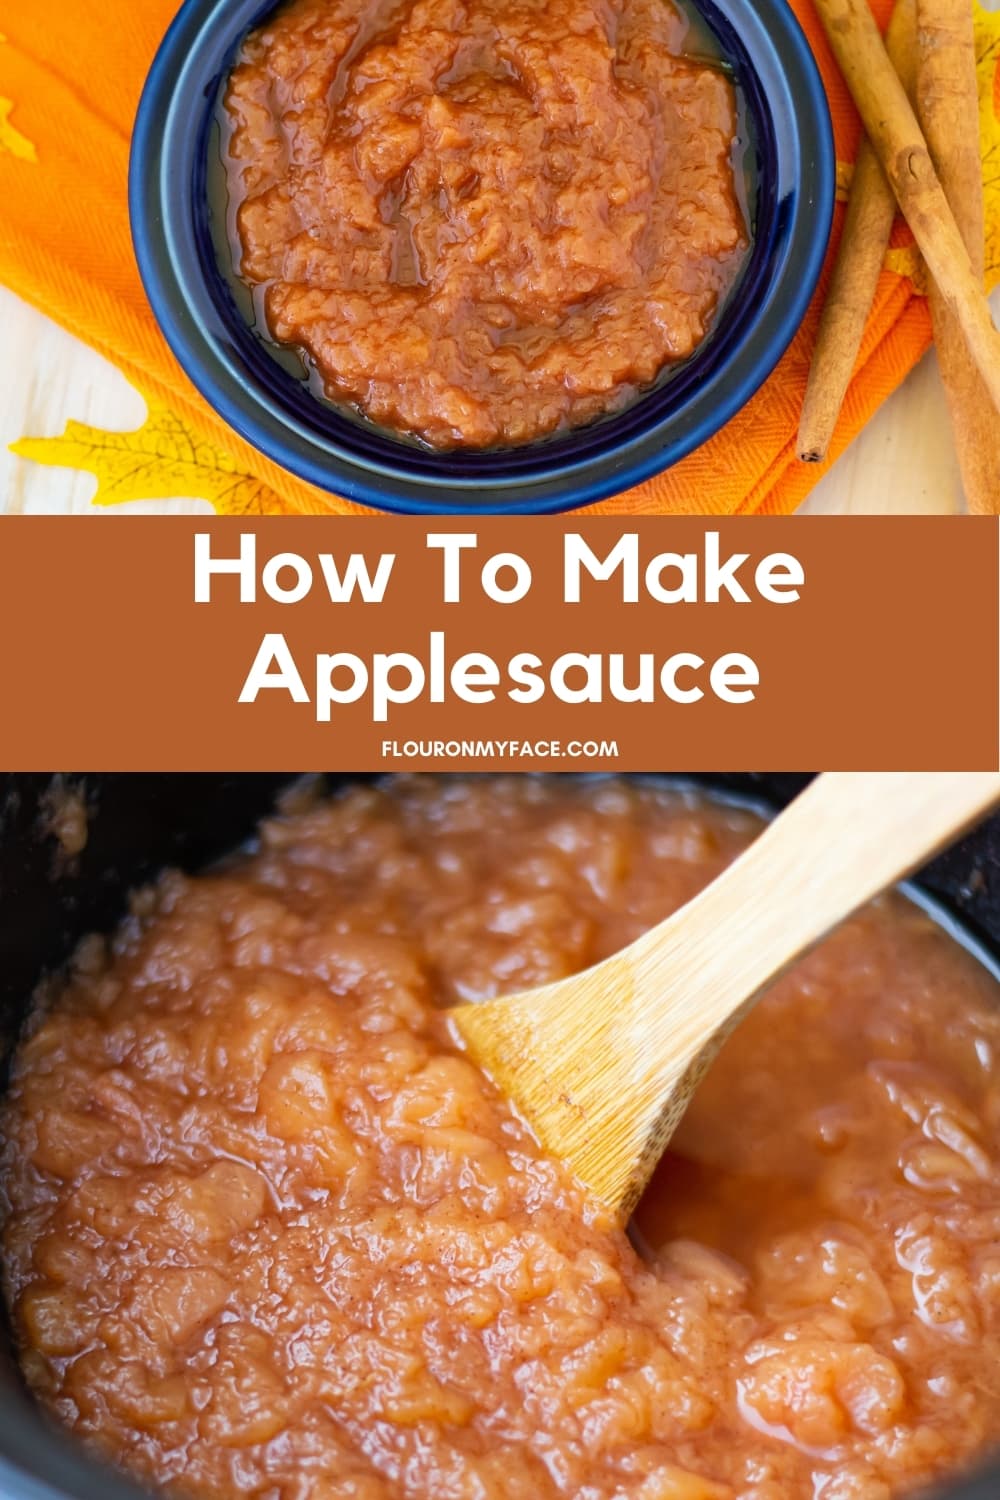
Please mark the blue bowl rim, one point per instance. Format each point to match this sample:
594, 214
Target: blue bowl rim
542, 478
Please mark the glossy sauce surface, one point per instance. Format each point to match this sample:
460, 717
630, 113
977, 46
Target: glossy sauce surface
268, 1234
483, 220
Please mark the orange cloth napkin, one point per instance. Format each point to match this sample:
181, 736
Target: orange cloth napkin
70, 80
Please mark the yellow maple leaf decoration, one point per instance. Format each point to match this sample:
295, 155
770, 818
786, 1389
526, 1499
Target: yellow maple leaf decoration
988, 69
11, 139
161, 460
906, 260
845, 176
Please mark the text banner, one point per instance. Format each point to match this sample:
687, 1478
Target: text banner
485, 644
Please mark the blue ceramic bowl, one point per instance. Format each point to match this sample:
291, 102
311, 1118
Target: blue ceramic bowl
236, 371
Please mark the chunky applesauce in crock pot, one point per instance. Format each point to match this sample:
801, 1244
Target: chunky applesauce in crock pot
268, 1233
483, 220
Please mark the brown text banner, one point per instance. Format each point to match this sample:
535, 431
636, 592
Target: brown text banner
154, 644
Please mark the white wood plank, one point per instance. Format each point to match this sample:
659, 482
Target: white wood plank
48, 377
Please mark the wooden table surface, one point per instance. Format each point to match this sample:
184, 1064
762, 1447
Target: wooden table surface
901, 464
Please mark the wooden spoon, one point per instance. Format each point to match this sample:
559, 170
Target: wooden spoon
602, 1065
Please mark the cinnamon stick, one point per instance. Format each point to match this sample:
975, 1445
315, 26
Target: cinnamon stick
899, 142
949, 110
871, 212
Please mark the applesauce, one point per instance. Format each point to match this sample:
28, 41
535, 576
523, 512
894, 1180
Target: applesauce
268, 1233
483, 221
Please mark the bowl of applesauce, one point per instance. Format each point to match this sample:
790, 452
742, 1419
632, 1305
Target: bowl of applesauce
505, 257
265, 1231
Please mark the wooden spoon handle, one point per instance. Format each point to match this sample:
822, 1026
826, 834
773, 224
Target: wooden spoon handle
844, 840
603, 1064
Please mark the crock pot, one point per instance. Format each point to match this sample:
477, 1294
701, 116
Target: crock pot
137, 824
